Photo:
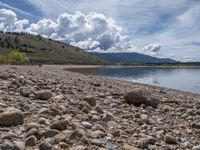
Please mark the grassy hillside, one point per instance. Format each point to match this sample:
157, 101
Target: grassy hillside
42, 50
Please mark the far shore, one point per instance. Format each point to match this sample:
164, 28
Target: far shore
118, 66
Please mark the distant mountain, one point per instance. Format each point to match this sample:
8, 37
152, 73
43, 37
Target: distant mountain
132, 58
43, 50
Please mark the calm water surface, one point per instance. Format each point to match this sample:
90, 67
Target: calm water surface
185, 79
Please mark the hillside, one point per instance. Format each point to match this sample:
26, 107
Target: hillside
132, 58
43, 50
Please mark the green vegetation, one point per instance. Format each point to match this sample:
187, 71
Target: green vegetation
43, 50
14, 57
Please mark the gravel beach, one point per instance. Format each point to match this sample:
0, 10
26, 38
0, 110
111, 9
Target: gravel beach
48, 108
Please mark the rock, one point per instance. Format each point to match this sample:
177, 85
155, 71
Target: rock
45, 146
169, 139
63, 145
90, 100
60, 125
43, 120
107, 116
138, 98
196, 147
86, 124
11, 118
79, 147
9, 136
145, 142
112, 124
78, 135
59, 138
111, 146
43, 95
25, 91
19, 145
7, 145
31, 141
43, 111
97, 134
55, 110
84, 105
98, 142
51, 133
129, 147
196, 125
32, 125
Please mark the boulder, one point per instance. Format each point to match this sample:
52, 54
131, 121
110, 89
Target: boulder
139, 97
11, 118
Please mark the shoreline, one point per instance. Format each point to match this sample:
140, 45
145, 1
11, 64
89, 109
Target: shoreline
71, 67
86, 111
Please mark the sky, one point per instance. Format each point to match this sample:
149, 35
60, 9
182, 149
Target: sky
164, 28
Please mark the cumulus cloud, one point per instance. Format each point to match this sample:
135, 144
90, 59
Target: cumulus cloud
90, 32
9, 21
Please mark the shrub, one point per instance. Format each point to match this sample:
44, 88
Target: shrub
17, 57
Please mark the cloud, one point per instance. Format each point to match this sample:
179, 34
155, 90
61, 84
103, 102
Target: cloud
153, 48
9, 21
90, 32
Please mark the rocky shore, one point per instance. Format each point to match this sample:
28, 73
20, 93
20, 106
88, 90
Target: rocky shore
47, 108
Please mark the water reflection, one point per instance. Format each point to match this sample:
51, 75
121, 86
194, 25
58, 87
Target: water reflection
186, 79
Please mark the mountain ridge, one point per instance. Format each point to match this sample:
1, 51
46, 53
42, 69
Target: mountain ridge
132, 58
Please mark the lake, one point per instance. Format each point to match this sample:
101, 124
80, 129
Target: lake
181, 78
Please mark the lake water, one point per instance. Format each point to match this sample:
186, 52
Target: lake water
185, 79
